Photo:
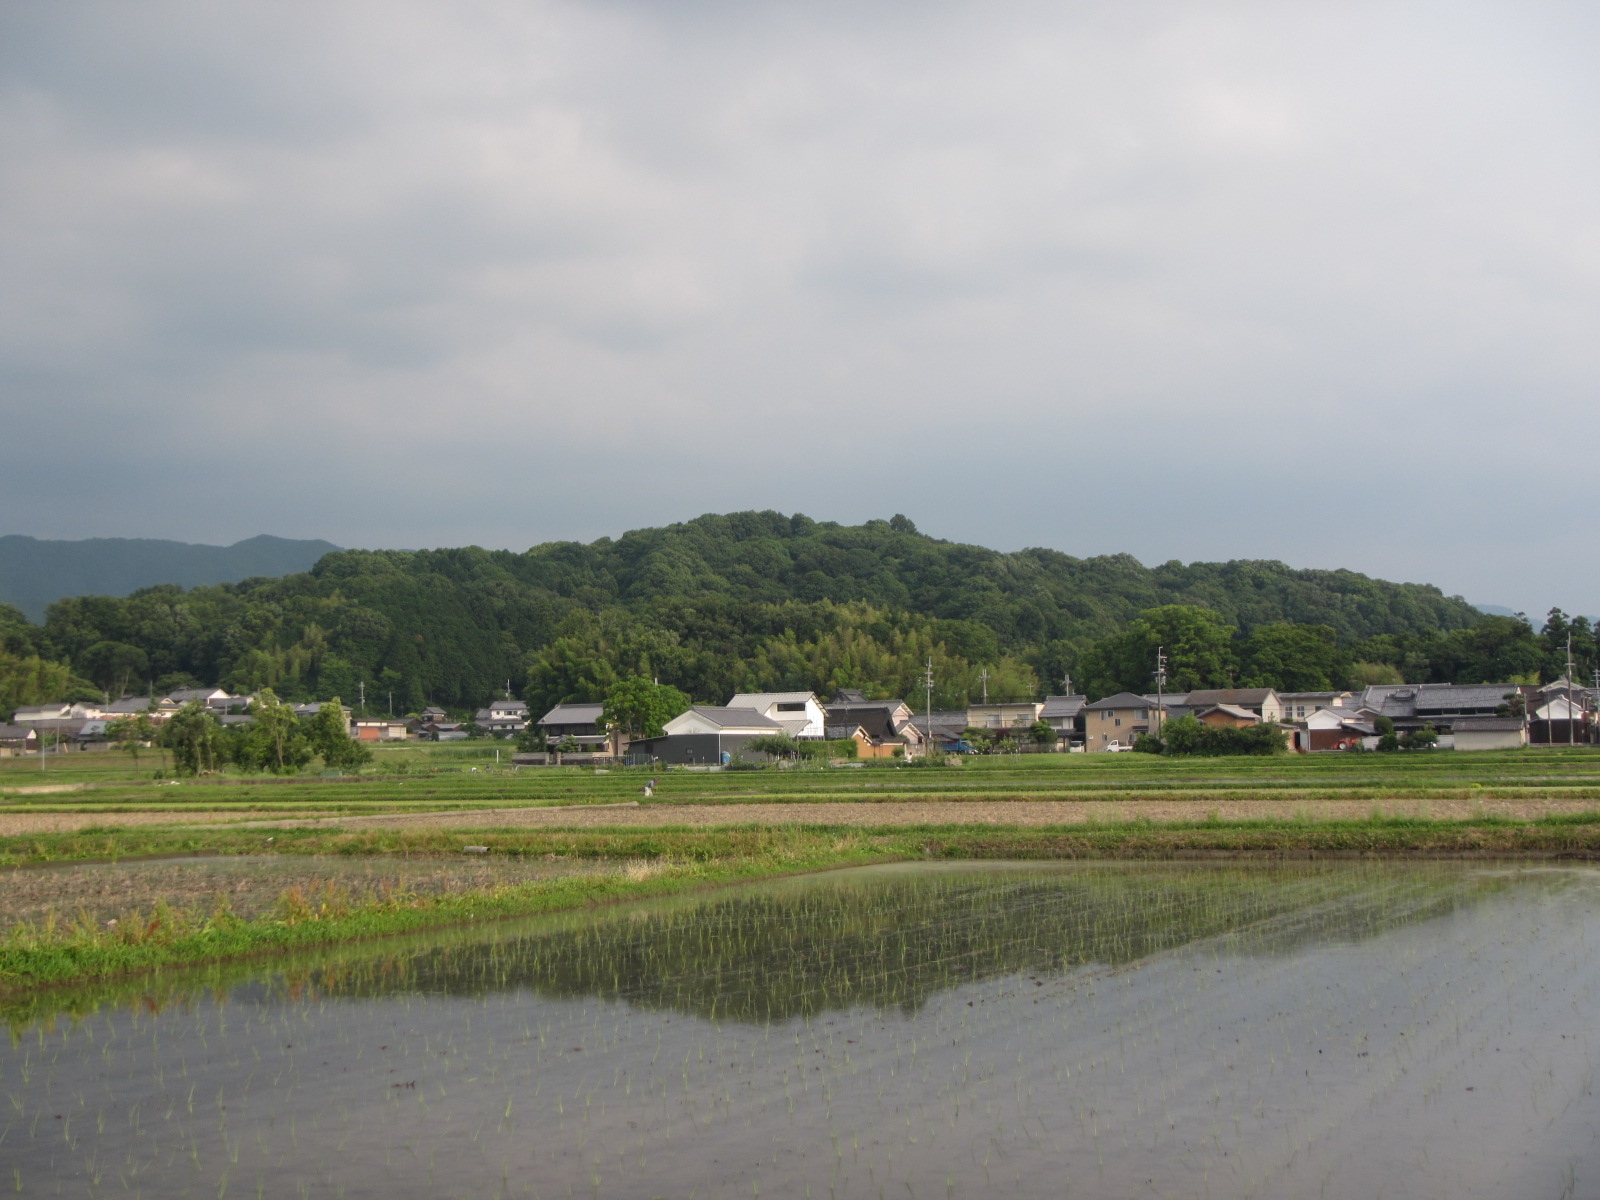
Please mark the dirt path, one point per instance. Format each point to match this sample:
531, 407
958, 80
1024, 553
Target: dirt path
1011, 812
1014, 812
17, 824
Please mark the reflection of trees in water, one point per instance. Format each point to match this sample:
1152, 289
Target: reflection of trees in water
895, 940
884, 939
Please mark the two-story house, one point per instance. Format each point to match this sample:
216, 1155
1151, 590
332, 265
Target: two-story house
800, 713
1115, 721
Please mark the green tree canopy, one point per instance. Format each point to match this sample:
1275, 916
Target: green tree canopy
639, 708
327, 733
276, 740
1294, 658
195, 738
1197, 642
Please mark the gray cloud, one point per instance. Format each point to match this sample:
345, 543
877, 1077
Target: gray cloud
1187, 280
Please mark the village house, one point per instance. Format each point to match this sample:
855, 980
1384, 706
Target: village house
1064, 714
1489, 733
36, 714
887, 722
1003, 715
1114, 722
1413, 706
1226, 716
577, 724
1297, 706
1262, 702
502, 718
379, 729
706, 735
800, 713
1332, 728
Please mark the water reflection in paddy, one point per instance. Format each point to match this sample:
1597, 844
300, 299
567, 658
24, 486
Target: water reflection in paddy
922, 1030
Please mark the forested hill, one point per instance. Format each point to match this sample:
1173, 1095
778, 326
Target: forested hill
34, 572
717, 604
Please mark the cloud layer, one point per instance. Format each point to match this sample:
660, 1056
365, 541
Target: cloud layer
1196, 280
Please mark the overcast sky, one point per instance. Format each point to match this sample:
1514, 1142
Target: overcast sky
1309, 281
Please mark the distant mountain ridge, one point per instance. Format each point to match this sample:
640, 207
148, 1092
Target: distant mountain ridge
35, 572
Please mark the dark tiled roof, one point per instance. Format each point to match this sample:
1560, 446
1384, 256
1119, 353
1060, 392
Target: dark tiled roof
1120, 700
1244, 697
1486, 724
1445, 697
1061, 706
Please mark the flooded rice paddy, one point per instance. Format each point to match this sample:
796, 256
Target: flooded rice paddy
1339, 1030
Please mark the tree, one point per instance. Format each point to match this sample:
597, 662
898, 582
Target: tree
1366, 674
638, 708
774, 745
1294, 658
1422, 739
1187, 735
328, 734
194, 736
1044, 734
113, 664
133, 733
1197, 642
277, 740
33, 680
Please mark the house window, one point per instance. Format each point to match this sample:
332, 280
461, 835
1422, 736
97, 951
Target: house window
792, 707
1119, 722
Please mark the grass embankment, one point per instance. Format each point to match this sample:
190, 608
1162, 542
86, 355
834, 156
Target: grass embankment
651, 862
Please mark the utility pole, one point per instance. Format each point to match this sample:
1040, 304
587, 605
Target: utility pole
1161, 683
1597, 696
927, 683
1066, 683
983, 678
361, 688
1571, 737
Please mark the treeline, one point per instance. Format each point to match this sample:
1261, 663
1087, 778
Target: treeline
746, 601
1203, 651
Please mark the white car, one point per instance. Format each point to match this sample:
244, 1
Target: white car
1117, 748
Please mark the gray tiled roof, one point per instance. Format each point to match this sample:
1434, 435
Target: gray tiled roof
1061, 706
1445, 697
1232, 710
751, 699
746, 718
572, 714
